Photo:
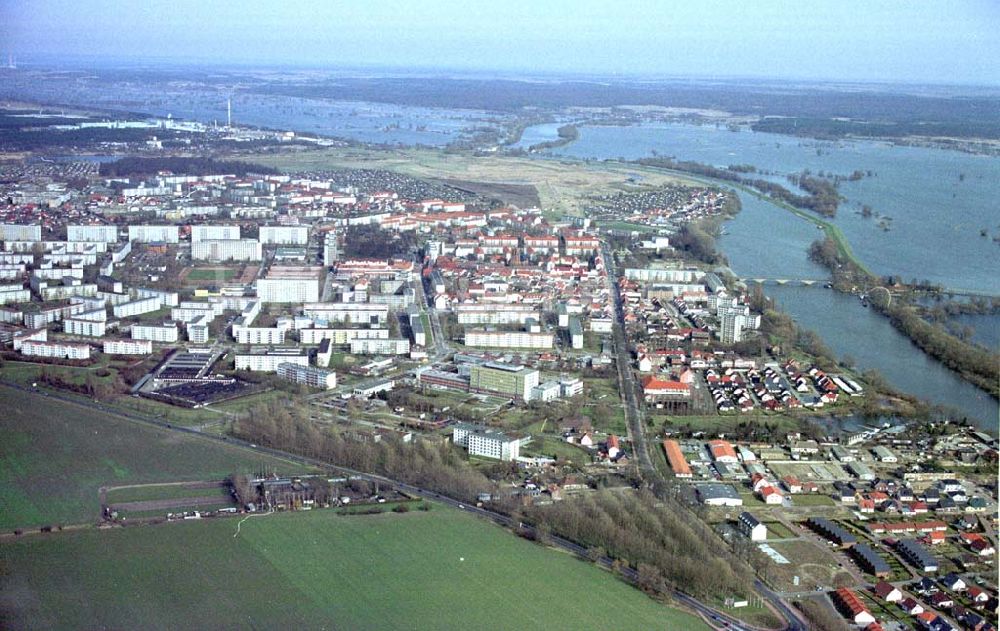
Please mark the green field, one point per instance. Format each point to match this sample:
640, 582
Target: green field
54, 457
420, 570
212, 274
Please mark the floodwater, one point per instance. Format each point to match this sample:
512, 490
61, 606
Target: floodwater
934, 202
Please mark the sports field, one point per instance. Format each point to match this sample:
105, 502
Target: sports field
217, 274
54, 457
420, 570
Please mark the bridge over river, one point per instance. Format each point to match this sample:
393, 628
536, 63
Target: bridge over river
785, 281
770, 280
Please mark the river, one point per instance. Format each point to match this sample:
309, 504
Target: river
765, 241
931, 199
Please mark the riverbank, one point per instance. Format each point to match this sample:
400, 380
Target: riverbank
850, 275
829, 229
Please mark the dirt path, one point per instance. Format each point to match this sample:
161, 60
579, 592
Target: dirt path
176, 502
102, 492
239, 525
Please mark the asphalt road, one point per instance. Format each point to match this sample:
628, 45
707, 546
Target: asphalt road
640, 445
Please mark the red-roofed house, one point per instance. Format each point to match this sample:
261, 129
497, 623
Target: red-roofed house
722, 451
849, 603
771, 495
656, 389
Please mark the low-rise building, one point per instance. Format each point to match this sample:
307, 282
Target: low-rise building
751, 527
917, 555
714, 494
849, 603
870, 561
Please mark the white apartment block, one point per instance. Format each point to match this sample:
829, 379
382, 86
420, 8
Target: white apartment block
215, 306
165, 333
36, 335
56, 273
187, 314
40, 318
136, 307
17, 232
227, 250
11, 271
17, 258
61, 350
284, 235
570, 387
197, 330
113, 298
167, 298
341, 337
62, 292
154, 234
380, 346
269, 361
128, 347
506, 339
496, 314
259, 335
662, 275
101, 234
488, 442
213, 233
11, 316
73, 259
348, 312
331, 248
89, 328
9, 296
94, 315
307, 375
56, 247
288, 290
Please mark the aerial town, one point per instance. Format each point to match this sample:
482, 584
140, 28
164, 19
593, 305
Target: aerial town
499, 316
495, 329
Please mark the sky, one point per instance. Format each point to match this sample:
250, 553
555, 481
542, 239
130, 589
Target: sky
913, 41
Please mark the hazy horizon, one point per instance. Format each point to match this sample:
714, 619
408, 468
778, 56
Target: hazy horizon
847, 42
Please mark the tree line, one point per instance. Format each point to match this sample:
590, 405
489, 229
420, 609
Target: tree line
672, 550
822, 197
566, 134
660, 538
976, 365
145, 166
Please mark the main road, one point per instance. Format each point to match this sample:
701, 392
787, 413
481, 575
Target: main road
637, 432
